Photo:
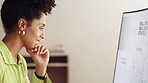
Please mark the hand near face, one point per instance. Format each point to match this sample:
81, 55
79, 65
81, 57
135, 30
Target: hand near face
40, 56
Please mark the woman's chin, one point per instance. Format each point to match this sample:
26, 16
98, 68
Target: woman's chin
30, 48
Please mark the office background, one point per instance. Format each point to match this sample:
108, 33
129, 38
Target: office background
89, 31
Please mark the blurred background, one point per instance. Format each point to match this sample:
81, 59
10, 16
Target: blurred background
87, 31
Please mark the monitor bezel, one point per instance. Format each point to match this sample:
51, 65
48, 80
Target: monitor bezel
124, 13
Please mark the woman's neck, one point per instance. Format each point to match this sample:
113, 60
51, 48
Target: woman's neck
14, 44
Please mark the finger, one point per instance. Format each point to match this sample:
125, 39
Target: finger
38, 49
35, 49
46, 51
41, 49
30, 52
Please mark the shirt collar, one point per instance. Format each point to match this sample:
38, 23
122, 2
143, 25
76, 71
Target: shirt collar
6, 54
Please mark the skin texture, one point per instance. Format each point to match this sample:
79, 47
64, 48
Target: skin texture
34, 33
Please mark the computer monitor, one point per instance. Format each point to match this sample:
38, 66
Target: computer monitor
132, 53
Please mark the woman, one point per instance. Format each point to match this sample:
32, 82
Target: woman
24, 24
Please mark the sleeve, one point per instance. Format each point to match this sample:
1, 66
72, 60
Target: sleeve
36, 80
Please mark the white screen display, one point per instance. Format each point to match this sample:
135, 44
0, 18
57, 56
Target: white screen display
132, 53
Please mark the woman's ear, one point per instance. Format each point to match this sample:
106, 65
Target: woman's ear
22, 24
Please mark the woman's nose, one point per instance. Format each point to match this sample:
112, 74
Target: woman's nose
43, 35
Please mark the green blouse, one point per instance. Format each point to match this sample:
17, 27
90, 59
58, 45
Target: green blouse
10, 72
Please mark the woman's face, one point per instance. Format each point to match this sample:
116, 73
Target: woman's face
34, 33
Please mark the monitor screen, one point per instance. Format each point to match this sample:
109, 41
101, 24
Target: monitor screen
132, 53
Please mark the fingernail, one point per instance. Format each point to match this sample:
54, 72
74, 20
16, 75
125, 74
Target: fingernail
40, 52
35, 49
31, 50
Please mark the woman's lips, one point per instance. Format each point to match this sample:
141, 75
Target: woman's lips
37, 41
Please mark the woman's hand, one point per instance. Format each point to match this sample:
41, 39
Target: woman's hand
40, 56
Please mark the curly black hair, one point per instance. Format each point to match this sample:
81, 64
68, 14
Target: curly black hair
13, 10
